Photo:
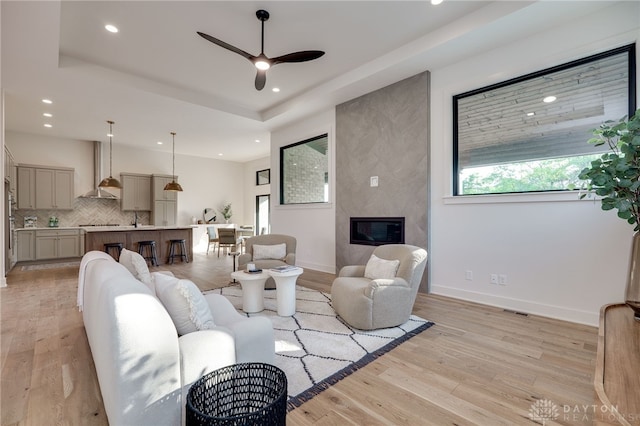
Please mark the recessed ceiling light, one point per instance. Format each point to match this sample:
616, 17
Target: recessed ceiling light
220, 154
531, 114
47, 125
257, 140
47, 101
549, 99
47, 114
159, 142
436, 2
109, 135
111, 28
275, 89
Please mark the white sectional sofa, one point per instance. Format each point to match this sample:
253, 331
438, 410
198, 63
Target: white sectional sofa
144, 367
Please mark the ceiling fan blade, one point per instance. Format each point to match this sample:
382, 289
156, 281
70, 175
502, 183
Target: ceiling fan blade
304, 56
226, 45
261, 79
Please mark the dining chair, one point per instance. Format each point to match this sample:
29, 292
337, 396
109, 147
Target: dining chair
213, 237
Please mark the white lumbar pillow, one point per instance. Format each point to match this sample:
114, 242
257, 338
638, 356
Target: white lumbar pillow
137, 266
186, 305
274, 251
381, 268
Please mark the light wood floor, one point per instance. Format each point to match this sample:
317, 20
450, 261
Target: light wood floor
478, 365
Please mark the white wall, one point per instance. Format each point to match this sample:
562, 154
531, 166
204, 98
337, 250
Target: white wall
206, 182
251, 190
563, 258
312, 225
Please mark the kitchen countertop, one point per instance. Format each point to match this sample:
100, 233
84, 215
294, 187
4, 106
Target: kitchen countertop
105, 228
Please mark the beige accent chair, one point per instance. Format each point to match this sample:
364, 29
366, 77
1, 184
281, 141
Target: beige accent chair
369, 304
267, 240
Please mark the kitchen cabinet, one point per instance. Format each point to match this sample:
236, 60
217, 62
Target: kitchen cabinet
159, 194
26, 245
164, 213
165, 203
26, 188
9, 170
54, 189
45, 188
136, 192
57, 243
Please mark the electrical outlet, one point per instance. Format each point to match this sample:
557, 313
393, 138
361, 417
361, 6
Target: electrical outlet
502, 279
493, 278
468, 275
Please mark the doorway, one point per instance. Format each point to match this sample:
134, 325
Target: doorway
262, 214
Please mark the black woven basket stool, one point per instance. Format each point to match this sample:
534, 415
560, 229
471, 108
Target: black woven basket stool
240, 394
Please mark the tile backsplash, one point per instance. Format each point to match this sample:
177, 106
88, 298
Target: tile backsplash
86, 211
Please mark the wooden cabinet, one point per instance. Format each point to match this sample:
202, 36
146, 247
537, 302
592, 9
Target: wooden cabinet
26, 188
26, 245
57, 243
164, 213
45, 188
54, 189
165, 203
10, 170
136, 192
159, 194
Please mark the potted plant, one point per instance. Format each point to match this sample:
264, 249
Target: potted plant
226, 212
615, 177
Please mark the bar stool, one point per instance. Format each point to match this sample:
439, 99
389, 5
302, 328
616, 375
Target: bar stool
150, 248
183, 250
110, 247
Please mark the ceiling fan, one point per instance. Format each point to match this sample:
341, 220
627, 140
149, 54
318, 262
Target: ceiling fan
262, 62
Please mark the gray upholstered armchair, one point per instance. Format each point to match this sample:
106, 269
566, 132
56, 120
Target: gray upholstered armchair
368, 303
261, 257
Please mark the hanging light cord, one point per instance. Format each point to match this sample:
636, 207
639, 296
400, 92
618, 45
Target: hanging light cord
173, 171
110, 148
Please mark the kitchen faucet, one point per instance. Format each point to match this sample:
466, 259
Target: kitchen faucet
135, 219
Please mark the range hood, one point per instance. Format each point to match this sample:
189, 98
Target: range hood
97, 172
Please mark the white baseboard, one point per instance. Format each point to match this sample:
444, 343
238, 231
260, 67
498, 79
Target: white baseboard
330, 269
549, 311
3, 282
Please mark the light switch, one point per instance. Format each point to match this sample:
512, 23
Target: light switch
374, 180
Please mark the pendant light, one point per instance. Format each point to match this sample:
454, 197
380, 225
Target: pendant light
110, 182
173, 185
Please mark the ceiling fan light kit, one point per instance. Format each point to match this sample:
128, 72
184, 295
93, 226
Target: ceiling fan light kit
262, 62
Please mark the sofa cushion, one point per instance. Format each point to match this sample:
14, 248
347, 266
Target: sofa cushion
136, 264
377, 268
275, 251
186, 305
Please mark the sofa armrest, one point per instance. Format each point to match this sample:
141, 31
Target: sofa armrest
290, 259
254, 339
352, 271
222, 310
386, 285
203, 351
243, 259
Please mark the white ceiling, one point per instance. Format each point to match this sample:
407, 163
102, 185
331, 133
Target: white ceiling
157, 75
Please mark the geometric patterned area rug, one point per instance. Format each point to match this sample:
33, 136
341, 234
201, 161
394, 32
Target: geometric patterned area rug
315, 348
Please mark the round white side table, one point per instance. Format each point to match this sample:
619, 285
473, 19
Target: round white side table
286, 290
252, 290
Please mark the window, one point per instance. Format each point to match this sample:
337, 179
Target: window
530, 133
304, 172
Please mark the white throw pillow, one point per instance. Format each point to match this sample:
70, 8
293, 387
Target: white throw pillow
275, 251
381, 268
186, 305
137, 266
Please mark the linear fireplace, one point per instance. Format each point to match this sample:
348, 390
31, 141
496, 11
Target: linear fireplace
376, 231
